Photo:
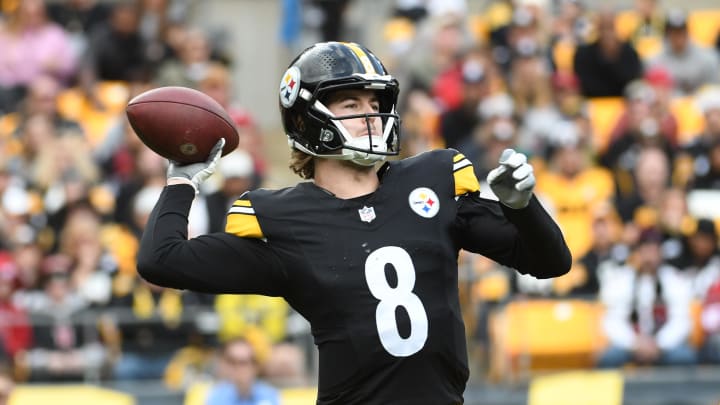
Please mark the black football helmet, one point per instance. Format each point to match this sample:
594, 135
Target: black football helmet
328, 67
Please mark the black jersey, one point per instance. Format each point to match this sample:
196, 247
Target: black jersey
376, 276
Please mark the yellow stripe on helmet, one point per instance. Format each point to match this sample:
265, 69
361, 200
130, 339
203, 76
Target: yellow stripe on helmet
367, 64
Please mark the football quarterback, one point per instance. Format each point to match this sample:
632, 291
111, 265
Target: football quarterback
365, 250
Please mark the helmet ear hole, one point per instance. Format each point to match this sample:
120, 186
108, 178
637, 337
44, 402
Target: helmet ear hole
326, 135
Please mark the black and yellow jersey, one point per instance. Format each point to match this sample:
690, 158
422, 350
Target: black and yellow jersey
376, 276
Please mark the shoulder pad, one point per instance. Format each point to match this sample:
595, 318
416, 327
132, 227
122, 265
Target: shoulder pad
438, 161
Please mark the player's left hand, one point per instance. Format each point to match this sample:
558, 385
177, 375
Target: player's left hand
196, 173
513, 180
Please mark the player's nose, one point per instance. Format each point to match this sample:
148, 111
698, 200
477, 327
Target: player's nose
368, 107
372, 125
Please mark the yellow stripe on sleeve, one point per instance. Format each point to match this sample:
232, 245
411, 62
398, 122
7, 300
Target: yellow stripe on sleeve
464, 175
241, 220
465, 181
243, 225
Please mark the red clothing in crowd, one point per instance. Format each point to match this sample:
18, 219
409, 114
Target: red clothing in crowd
15, 330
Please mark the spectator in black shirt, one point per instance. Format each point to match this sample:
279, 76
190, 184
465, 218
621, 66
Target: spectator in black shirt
605, 66
117, 50
79, 16
458, 124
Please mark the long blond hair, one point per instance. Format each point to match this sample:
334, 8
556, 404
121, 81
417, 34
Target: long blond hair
302, 164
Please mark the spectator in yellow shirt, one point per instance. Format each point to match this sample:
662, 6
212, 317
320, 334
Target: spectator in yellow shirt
572, 186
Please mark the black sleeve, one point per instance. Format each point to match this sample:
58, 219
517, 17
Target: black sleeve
214, 263
527, 239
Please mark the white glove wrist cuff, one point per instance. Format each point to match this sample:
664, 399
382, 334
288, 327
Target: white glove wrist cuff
181, 180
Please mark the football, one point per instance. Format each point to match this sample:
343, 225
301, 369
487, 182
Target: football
180, 123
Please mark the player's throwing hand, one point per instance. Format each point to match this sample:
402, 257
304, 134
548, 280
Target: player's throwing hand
513, 180
196, 173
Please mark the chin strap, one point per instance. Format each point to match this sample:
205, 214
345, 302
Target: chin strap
357, 157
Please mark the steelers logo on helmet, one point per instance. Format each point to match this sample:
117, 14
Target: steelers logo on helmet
290, 86
424, 202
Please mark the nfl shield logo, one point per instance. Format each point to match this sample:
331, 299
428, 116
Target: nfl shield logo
367, 214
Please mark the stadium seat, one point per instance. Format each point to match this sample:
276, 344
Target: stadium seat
71, 103
577, 388
689, 118
197, 393
604, 113
68, 395
479, 28
8, 125
298, 396
97, 124
563, 53
492, 286
697, 335
647, 46
399, 33
398, 29
539, 334
10, 146
704, 25
95, 121
626, 22
113, 94
498, 14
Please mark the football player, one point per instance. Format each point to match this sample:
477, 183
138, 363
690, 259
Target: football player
368, 255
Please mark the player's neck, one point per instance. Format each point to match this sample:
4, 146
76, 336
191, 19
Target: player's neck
344, 179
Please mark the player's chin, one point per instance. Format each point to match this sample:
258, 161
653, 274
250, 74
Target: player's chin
360, 164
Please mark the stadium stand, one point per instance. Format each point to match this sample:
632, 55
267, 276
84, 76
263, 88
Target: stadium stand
65, 146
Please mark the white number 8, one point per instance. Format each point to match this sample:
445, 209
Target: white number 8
391, 298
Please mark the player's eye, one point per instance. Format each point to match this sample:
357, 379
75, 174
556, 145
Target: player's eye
349, 105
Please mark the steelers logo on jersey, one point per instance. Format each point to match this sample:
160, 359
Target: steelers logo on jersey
424, 202
290, 86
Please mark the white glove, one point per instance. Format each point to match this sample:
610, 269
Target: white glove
196, 173
513, 180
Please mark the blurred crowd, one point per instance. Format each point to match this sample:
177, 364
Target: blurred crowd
618, 110
77, 186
